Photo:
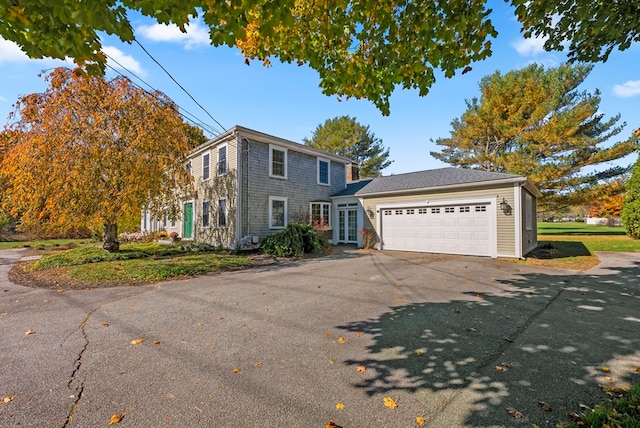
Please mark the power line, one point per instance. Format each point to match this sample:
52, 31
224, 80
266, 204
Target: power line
176, 82
192, 118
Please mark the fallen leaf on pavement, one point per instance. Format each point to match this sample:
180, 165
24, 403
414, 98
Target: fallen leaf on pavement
340, 406
515, 413
105, 324
7, 399
331, 425
156, 342
361, 369
544, 406
236, 371
116, 418
357, 334
390, 403
137, 341
576, 418
420, 421
328, 334
503, 367
606, 369
28, 332
341, 339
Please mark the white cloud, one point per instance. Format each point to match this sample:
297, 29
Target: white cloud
530, 46
119, 60
2, 99
628, 89
196, 35
11, 52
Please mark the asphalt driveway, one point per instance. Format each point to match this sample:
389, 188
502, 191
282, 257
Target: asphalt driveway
457, 341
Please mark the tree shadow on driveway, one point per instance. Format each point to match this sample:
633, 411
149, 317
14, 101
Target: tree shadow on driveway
542, 345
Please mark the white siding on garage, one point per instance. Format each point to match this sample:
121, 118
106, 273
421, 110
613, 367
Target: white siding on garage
451, 228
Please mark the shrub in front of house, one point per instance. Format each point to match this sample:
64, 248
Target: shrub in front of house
369, 237
295, 240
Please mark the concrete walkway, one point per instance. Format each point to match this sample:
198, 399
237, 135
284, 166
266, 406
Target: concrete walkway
458, 341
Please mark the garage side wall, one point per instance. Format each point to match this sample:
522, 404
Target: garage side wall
505, 222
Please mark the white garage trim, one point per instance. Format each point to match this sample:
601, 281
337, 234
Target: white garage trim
454, 244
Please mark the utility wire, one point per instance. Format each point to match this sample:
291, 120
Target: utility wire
176, 82
187, 114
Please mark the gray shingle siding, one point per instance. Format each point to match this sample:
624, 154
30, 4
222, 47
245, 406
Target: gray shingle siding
300, 187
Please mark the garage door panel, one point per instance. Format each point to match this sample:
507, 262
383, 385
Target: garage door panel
454, 229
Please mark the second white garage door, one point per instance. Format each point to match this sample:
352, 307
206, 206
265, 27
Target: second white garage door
451, 229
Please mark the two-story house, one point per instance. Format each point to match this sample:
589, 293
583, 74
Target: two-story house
248, 185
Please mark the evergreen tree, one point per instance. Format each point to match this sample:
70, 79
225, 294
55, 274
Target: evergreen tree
534, 122
631, 210
344, 136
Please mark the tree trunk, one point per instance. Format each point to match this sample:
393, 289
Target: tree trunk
110, 240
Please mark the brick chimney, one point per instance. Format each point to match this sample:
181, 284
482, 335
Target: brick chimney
353, 173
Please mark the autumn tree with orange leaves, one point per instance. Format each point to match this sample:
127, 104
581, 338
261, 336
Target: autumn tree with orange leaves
90, 152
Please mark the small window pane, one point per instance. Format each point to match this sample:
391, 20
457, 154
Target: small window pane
222, 213
278, 163
277, 213
205, 166
222, 160
323, 172
205, 213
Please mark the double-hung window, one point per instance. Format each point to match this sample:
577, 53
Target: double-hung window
323, 171
321, 214
277, 162
222, 160
206, 166
206, 210
222, 213
277, 212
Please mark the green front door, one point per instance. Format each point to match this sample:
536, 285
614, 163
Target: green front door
187, 223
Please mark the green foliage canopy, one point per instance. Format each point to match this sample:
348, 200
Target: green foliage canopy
534, 122
362, 49
344, 136
631, 210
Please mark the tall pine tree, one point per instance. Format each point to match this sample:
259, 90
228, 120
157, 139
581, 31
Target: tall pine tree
344, 136
535, 122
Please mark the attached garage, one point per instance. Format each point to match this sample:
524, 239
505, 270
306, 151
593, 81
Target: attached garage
451, 228
448, 211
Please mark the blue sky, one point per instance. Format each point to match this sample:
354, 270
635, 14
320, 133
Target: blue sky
286, 101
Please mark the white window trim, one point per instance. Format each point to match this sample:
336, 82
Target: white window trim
226, 170
322, 204
226, 214
271, 200
280, 149
203, 163
202, 214
328, 162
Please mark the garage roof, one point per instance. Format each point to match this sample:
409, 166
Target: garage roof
443, 177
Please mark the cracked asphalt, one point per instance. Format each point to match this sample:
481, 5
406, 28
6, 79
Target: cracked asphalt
457, 341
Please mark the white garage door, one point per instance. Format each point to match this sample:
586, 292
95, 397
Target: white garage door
451, 229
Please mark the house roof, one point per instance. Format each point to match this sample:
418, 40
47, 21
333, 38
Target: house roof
267, 139
352, 188
432, 179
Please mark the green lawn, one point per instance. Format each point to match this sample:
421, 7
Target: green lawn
575, 228
574, 245
144, 262
42, 243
